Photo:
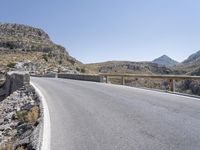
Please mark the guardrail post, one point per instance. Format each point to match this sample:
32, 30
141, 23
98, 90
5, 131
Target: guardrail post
122, 80
172, 85
106, 79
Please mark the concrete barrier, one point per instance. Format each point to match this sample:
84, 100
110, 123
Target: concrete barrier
14, 81
2, 94
48, 75
84, 77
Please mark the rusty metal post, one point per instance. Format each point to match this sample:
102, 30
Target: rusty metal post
122, 80
106, 79
172, 85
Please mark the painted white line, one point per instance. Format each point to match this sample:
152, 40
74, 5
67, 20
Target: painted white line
46, 136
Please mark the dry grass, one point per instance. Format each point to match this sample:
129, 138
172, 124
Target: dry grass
33, 115
20, 148
29, 116
7, 146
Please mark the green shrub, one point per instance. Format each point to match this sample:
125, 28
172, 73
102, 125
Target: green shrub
11, 65
45, 57
50, 55
82, 70
21, 115
28, 116
78, 69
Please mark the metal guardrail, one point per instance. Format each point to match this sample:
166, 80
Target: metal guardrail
171, 78
102, 76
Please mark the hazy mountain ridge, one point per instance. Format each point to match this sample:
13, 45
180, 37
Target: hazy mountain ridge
191, 65
194, 58
129, 67
165, 60
161, 65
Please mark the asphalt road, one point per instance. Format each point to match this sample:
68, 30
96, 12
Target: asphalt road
97, 116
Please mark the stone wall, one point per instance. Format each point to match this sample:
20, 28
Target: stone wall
84, 77
14, 81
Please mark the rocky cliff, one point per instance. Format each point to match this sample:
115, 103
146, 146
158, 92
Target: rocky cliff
19, 43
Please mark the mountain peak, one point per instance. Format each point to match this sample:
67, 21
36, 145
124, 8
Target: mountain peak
165, 56
165, 60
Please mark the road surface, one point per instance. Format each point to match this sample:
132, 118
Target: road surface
96, 116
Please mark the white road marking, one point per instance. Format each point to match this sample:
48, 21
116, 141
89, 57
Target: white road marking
46, 137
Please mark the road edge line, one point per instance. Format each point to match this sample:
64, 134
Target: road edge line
46, 130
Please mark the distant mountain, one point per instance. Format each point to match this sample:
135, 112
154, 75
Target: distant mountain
193, 59
191, 65
165, 60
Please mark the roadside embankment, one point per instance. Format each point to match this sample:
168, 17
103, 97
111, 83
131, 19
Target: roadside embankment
20, 114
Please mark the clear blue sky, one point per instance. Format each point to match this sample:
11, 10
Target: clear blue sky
101, 30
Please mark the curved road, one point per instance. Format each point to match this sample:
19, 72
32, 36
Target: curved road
97, 116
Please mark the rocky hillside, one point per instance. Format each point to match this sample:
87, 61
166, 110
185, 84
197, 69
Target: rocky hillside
193, 59
20, 120
129, 67
165, 61
21, 43
191, 65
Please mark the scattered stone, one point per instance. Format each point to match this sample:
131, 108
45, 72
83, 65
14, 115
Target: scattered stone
15, 119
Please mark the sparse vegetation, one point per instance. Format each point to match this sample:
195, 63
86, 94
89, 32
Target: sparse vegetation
45, 57
190, 86
7, 146
21, 115
20, 148
28, 116
78, 69
50, 55
33, 114
82, 70
11, 65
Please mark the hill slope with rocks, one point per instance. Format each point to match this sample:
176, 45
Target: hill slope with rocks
34, 50
191, 65
129, 67
165, 61
193, 59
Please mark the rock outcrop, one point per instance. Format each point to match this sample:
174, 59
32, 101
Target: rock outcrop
20, 119
19, 43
